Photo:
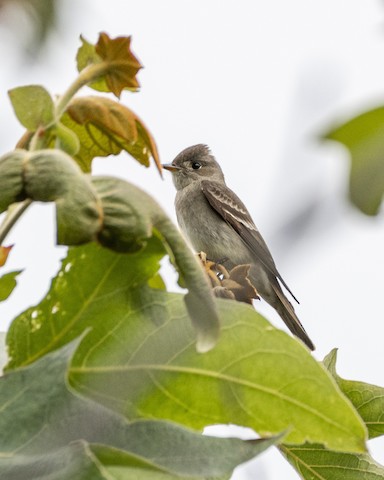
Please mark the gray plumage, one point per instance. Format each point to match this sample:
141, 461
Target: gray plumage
216, 222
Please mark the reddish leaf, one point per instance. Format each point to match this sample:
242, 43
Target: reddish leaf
121, 65
106, 127
4, 252
125, 65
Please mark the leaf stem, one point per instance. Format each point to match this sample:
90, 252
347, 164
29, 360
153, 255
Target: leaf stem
13, 215
87, 75
199, 300
37, 140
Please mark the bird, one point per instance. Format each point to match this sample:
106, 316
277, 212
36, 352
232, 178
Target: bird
216, 222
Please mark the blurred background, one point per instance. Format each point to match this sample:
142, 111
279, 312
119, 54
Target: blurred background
260, 83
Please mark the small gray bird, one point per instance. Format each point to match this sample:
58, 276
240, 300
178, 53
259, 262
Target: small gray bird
217, 222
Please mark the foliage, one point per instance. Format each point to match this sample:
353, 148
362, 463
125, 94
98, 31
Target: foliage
363, 136
7, 281
172, 381
91, 441
40, 16
106, 375
7, 284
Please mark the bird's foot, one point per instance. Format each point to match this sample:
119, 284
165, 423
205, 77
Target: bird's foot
210, 268
233, 284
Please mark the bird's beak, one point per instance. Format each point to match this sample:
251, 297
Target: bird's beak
170, 167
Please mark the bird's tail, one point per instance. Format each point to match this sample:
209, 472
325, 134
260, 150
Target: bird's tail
287, 313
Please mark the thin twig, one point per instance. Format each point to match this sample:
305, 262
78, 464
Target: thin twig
12, 217
89, 74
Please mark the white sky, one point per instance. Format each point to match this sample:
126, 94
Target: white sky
258, 82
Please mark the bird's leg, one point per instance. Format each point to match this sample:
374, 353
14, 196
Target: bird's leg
214, 267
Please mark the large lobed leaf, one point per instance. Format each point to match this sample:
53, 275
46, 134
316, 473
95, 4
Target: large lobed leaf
139, 358
90, 277
46, 430
367, 399
364, 138
315, 461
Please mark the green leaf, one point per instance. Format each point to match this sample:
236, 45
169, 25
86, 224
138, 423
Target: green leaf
46, 429
315, 462
86, 55
364, 138
35, 404
180, 451
7, 284
75, 461
367, 399
106, 127
33, 106
89, 278
3, 353
157, 282
118, 65
93, 143
274, 384
141, 350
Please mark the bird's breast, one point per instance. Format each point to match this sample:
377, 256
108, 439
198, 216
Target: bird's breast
206, 230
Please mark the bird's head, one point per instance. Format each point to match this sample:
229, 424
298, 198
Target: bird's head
192, 165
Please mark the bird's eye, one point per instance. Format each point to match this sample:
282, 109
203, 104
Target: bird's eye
196, 165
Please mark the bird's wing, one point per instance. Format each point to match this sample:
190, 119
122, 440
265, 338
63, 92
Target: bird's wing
228, 205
